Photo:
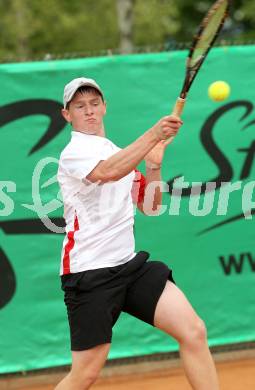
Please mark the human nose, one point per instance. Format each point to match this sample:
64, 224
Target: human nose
88, 110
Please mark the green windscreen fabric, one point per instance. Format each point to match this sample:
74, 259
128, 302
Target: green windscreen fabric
204, 233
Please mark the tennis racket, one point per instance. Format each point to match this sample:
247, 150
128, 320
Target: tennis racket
202, 43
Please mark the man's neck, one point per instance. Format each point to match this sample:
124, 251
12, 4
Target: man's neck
99, 133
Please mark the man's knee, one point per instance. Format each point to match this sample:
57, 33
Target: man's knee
87, 364
195, 335
84, 378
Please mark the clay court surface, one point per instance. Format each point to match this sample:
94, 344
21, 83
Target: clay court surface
236, 372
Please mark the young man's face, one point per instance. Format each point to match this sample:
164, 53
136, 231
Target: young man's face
86, 112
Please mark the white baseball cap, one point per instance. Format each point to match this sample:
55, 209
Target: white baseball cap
72, 87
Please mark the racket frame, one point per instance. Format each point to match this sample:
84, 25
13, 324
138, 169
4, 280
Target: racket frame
192, 71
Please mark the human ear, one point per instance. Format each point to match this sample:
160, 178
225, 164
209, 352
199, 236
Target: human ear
65, 114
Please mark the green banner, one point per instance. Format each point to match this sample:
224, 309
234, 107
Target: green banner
205, 230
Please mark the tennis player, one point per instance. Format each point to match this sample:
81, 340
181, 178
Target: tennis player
101, 274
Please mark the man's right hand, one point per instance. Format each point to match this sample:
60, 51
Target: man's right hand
166, 127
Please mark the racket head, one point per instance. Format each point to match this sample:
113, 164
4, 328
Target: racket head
203, 41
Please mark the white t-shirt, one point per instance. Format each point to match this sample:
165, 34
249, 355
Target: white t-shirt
99, 217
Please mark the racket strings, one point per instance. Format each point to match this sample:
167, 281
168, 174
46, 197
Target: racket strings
208, 32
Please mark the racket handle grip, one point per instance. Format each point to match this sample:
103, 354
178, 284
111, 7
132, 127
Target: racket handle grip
177, 111
178, 108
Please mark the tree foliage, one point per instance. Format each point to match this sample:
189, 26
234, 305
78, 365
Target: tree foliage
32, 28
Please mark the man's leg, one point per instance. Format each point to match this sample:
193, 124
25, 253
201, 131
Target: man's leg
175, 316
86, 366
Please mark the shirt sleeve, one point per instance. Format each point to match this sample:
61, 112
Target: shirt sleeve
82, 157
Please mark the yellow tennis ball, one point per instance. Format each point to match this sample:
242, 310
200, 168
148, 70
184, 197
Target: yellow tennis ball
219, 90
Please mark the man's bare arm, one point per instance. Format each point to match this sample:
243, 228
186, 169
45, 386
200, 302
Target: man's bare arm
127, 159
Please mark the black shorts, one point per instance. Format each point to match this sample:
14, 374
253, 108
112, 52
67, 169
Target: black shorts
95, 298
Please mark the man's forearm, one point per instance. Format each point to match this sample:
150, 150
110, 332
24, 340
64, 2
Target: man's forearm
123, 162
127, 159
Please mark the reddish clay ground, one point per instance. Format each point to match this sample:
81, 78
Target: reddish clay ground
234, 375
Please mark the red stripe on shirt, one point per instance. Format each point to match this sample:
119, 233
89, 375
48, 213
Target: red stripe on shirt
69, 246
138, 188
